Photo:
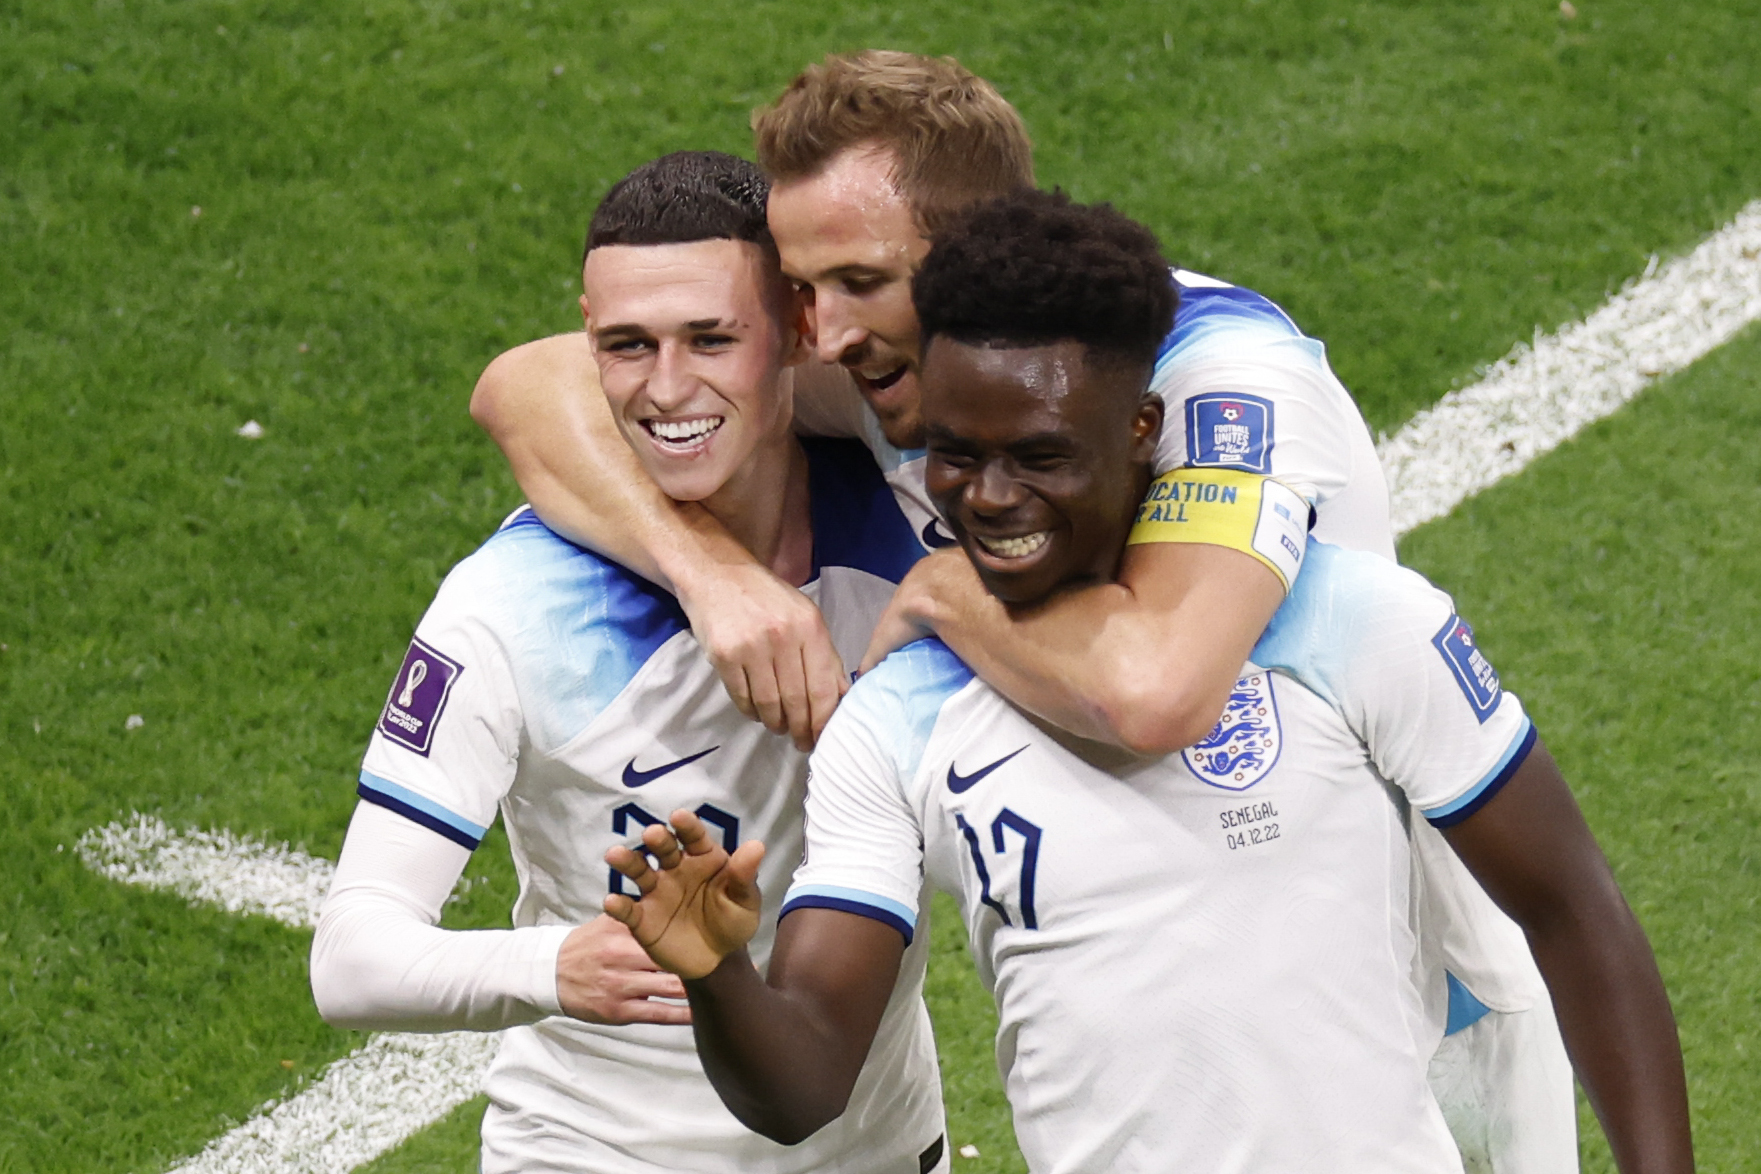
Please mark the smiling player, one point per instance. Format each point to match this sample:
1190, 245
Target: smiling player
565, 692
1204, 961
871, 153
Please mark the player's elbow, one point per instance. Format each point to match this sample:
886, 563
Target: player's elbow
1150, 715
489, 399
337, 986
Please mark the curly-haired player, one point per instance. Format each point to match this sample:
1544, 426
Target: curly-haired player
871, 154
1204, 961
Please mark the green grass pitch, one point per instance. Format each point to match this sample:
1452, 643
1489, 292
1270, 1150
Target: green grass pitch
391, 193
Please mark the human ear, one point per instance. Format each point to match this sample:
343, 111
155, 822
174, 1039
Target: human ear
798, 334
586, 314
1146, 427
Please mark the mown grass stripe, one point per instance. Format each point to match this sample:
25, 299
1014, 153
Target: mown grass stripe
1542, 394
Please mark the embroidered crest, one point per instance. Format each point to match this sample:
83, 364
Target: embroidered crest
1243, 747
1229, 430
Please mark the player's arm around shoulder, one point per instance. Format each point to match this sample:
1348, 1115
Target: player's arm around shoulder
543, 405
1145, 662
1439, 724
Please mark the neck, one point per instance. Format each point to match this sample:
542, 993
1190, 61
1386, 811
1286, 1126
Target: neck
766, 508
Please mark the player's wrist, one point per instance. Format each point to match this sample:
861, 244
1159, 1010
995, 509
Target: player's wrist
734, 968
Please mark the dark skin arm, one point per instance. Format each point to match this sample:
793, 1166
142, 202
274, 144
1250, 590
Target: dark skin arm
782, 1053
1534, 854
1145, 663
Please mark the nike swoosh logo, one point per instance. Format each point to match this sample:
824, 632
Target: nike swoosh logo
935, 535
641, 778
959, 783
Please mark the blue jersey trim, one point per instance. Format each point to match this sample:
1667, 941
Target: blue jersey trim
881, 909
1464, 1009
414, 807
1477, 796
856, 519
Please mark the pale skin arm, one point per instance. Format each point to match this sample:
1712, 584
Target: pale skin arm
603, 976
1145, 662
543, 406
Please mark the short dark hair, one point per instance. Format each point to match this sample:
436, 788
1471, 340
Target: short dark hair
683, 197
1032, 268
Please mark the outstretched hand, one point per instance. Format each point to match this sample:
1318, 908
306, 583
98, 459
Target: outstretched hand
698, 906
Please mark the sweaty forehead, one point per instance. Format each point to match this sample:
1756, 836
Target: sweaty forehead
996, 392
847, 213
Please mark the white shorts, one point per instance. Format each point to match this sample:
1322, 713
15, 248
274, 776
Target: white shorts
1505, 1087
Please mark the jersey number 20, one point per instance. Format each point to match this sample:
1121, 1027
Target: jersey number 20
629, 819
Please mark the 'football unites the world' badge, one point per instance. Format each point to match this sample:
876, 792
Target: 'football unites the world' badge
1243, 747
1469, 666
1229, 430
418, 696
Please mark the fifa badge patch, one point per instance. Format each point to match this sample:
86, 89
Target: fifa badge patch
418, 696
1469, 666
1229, 430
1244, 746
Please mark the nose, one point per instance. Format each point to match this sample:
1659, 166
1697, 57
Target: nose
836, 330
670, 381
992, 491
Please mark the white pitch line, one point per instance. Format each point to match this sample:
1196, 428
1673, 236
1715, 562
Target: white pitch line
1540, 395
363, 1104
234, 873
1529, 402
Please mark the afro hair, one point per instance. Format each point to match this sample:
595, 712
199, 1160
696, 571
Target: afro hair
1033, 268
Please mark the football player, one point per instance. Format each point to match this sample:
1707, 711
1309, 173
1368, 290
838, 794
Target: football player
566, 693
1204, 960
870, 153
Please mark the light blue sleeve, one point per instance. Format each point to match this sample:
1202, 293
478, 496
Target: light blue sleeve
1390, 653
864, 836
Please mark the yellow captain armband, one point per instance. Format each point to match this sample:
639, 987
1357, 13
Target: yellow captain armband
1257, 515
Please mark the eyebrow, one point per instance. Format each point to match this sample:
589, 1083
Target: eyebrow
634, 329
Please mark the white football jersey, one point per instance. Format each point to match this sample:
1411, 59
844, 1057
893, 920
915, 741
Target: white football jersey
566, 693
1243, 388
1204, 961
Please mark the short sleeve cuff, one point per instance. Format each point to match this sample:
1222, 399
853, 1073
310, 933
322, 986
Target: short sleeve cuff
1477, 796
882, 909
420, 809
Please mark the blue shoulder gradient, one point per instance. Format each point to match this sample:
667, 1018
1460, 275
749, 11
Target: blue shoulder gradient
1314, 634
1211, 317
577, 627
856, 519
1335, 601
899, 700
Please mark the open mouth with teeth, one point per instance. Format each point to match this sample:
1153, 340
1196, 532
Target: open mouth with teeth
682, 434
882, 382
1011, 548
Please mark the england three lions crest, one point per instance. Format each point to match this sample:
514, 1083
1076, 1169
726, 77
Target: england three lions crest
1243, 747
